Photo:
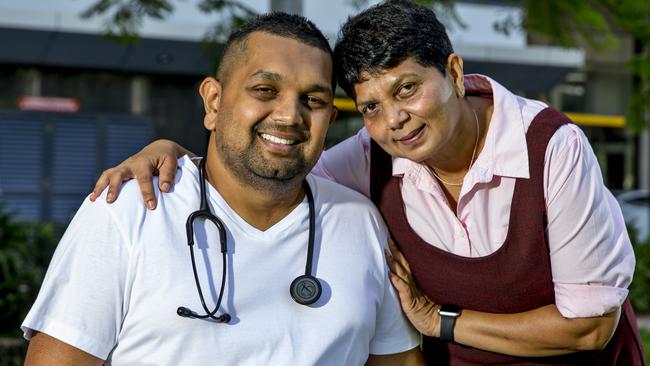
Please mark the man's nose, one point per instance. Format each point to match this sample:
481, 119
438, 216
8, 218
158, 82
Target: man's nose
288, 111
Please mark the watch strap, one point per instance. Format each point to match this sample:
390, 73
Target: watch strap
448, 315
447, 328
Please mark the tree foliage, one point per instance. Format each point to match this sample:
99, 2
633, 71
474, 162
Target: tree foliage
640, 286
566, 23
593, 22
24, 256
124, 18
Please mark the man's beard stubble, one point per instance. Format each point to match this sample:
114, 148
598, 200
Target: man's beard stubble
251, 168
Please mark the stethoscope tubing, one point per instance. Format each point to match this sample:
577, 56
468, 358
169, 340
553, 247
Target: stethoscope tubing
305, 289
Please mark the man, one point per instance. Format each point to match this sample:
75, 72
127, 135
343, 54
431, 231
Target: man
121, 275
512, 250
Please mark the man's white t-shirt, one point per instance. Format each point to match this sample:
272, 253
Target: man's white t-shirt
121, 271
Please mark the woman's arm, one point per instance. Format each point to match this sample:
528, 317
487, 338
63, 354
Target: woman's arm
538, 332
157, 158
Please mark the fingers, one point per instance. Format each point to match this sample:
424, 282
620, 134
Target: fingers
403, 290
167, 171
165, 167
396, 268
157, 158
111, 178
115, 179
100, 185
398, 256
400, 271
145, 181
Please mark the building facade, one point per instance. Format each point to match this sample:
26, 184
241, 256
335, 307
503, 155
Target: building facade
73, 102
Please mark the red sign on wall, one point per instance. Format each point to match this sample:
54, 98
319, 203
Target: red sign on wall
48, 104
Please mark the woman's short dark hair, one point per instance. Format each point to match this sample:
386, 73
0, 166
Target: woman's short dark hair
385, 35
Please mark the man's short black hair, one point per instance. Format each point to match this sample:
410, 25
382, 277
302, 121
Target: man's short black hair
280, 24
384, 36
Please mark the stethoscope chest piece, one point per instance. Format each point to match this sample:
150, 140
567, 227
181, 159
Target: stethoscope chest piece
305, 290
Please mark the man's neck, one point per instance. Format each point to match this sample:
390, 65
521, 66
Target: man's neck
260, 209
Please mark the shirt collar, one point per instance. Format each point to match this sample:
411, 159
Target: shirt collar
505, 152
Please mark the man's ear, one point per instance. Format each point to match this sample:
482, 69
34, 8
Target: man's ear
335, 111
455, 68
211, 91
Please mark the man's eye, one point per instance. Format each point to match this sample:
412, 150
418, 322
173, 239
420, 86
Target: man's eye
264, 90
313, 101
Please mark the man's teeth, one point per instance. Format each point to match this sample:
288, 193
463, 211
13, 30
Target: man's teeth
277, 140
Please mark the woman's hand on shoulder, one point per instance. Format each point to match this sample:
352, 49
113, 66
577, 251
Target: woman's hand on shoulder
158, 158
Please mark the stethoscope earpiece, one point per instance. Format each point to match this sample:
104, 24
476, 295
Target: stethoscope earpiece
305, 289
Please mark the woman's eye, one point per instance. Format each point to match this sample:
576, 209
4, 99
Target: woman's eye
406, 89
369, 108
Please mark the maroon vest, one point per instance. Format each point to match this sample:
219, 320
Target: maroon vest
515, 278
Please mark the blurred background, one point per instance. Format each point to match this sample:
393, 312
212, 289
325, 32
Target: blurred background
86, 83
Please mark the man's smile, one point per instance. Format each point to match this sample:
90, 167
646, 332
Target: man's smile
277, 140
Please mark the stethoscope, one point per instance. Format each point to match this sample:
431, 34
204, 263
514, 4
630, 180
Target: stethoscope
305, 289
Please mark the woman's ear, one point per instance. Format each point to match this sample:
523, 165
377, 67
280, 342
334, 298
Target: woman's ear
210, 90
455, 68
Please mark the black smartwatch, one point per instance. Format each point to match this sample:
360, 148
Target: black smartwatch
448, 315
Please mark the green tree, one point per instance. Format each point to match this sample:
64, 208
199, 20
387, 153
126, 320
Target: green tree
566, 23
124, 17
590, 22
640, 287
24, 255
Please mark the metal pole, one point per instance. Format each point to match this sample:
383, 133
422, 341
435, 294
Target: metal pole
644, 158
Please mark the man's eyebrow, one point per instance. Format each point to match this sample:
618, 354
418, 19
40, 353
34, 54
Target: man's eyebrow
320, 88
274, 76
270, 75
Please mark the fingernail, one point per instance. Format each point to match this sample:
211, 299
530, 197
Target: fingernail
150, 204
110, 196
165, 187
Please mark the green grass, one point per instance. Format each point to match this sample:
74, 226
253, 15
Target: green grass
645, 338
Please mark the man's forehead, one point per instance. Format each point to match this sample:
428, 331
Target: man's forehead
278, 58
275, 43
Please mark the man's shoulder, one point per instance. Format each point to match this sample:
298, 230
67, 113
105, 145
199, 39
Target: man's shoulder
340, 199
328, 190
